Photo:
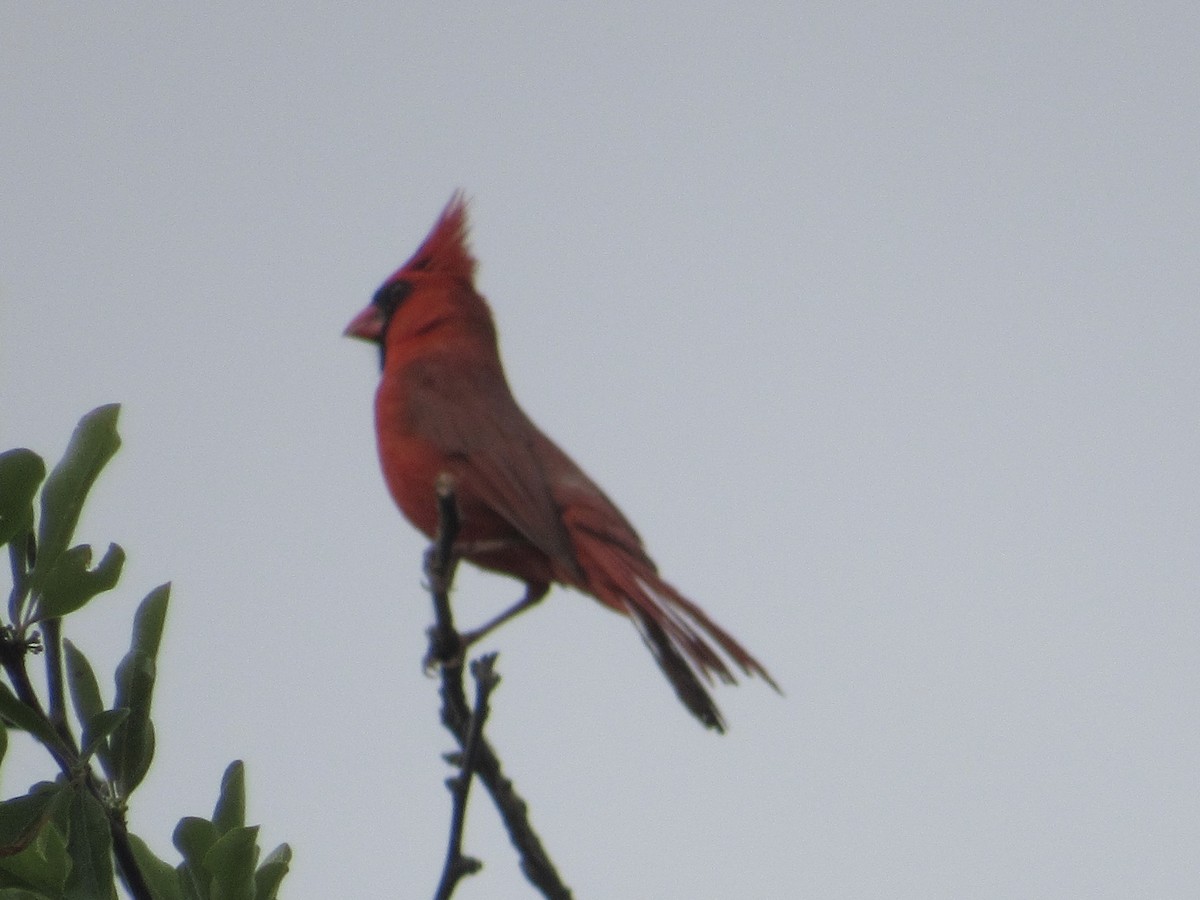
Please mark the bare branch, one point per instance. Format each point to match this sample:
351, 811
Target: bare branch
458, 866
477, 757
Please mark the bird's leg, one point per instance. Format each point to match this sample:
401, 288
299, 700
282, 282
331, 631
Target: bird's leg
445, 654
534, 592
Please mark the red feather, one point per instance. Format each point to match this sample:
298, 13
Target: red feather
445, 249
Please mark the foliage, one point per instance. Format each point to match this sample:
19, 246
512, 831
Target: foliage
67, 839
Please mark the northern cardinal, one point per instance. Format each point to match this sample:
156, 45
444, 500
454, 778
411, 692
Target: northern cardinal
527, 510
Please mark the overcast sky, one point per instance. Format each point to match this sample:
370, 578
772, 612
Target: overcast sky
880, 321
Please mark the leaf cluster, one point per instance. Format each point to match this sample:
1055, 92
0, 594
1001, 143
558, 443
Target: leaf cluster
67, 839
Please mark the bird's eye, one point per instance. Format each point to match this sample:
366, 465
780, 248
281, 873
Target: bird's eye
389, 297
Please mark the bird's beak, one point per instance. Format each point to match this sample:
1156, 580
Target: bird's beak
367, 325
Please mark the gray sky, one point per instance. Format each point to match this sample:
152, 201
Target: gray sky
880, 323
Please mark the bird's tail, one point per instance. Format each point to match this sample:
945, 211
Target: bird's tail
679, 634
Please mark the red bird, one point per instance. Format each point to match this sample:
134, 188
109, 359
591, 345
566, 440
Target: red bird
444, 406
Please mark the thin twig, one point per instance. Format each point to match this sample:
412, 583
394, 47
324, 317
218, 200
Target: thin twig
56, 706
458, 866
535, 861
127, 864
445, 645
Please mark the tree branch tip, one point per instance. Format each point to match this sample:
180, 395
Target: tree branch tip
466, 865
484, 673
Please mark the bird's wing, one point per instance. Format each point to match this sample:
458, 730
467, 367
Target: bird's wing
470, 415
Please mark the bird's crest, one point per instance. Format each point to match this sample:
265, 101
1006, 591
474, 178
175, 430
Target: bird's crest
445, 249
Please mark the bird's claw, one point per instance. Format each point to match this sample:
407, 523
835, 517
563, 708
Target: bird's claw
447, 649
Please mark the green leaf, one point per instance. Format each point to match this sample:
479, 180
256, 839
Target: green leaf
99, 727
90, 846
3, 741
85, 690
70, 583
270, 874
193, 838
160, 876
231, 862
149, 619
132, 744
43, 865
21, 553
85, 695
21, 471
15, 893
92, 445
21, 818
27, 719
230, 811
135, 682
